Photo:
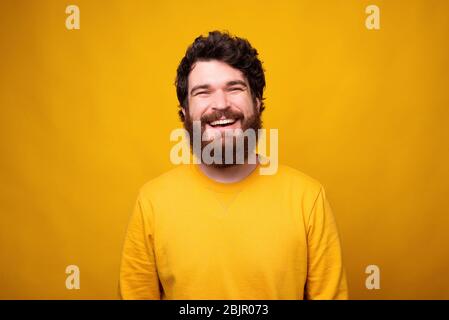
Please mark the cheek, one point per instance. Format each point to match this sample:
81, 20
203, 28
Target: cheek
197, 108
244, 103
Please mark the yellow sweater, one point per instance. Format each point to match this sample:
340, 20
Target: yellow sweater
265, 237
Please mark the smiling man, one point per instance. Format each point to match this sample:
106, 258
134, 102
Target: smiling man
221, 230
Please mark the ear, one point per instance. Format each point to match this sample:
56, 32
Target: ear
183, 110
258, 105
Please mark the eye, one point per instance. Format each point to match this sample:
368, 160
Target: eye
236, 89
202, 93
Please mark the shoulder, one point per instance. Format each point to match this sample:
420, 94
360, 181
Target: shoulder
299, 186
298, 179
169, 182
303, 190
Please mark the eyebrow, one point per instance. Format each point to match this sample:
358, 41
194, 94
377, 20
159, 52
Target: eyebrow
228, 84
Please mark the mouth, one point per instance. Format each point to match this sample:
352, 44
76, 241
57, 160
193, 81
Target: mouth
222, 123
221, 126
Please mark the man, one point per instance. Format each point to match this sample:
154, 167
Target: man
222, 230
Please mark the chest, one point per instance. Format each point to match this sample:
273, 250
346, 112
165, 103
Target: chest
244, 236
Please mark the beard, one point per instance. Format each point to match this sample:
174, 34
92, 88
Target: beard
240, 150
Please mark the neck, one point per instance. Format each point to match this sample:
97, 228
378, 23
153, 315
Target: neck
229, 174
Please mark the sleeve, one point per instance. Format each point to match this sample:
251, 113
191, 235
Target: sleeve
138, 274
326, 277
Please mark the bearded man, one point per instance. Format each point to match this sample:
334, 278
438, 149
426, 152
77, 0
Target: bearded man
219, 229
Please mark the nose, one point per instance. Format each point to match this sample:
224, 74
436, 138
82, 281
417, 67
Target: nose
219, 100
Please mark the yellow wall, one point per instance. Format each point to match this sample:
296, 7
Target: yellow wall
85, 117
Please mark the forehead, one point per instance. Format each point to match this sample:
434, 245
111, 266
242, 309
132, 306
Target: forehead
214, 73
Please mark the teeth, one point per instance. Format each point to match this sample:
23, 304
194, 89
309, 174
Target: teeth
222, 122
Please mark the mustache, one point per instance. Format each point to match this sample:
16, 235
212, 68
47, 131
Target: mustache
217, 115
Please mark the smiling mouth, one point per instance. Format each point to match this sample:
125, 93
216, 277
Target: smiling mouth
222, 123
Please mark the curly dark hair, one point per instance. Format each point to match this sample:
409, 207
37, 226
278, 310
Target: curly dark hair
235, 51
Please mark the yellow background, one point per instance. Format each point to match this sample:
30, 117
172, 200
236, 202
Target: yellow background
85, 118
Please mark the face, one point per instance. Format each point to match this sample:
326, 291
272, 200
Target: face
220, 97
